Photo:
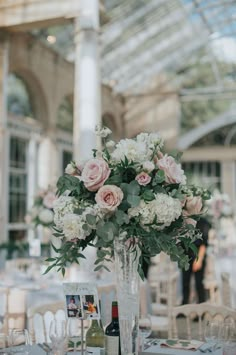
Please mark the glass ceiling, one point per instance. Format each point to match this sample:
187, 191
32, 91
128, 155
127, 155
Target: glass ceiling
144, 38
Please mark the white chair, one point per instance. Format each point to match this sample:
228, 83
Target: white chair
166, 294
39, 319
14, 313
159, 323
203, 311
210, 280
226, 289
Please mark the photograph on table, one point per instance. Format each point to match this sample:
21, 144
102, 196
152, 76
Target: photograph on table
90, 306
74, 308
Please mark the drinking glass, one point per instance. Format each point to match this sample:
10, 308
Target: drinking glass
21, 339
74, 332
212, 334
229, 338
57, 335
3, 340
145, 329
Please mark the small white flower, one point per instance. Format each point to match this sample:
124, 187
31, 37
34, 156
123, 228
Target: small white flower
110, 144
70, 169
46, 216
102, 131
148, 166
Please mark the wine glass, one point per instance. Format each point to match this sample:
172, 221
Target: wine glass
19, 337
229, 338
74, 332
57, 335
145, 329
212, 334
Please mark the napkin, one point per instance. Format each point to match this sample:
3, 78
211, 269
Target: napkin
181, 344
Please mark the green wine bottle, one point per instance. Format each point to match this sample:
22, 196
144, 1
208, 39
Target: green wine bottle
95, 339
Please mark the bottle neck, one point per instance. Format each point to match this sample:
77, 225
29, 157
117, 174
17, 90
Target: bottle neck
95, 323
114, 314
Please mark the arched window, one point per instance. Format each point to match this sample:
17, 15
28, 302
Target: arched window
65, 115
18, 97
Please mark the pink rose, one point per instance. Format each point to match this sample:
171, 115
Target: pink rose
95, 173
48, 200
193, 205
143, 178
173, 172
109, 197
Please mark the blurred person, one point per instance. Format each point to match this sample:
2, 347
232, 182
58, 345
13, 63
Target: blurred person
197, 265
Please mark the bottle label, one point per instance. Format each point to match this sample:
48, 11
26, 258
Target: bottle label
112, 345
95, 351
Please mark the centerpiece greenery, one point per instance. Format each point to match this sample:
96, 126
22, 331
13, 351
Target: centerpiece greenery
132, 190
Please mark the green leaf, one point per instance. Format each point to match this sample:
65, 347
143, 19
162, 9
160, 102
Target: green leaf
148, 195
159, 177
133, 200
91, 219
121, 217
133, 188
114, 180
107, 232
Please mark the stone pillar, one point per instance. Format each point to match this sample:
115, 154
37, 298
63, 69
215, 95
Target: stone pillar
4, 53
47, 160
87, 89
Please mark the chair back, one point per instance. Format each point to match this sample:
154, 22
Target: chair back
39, 319
226, 289
204, 312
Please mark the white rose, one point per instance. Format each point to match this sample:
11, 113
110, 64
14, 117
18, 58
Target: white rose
70, 169
46, 216
148, 166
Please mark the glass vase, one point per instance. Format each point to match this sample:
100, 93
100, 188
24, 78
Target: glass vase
128, 282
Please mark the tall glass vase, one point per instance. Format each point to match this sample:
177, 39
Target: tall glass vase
127, 278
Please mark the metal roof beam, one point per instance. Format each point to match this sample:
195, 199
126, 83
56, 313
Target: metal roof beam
130, 45
129, 67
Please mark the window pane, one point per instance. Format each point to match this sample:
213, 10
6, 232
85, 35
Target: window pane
17, 180
66, 159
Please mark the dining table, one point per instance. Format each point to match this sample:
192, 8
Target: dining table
154, 348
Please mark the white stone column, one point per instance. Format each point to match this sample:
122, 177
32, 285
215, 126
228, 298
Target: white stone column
4, 159
47, 160
87, 89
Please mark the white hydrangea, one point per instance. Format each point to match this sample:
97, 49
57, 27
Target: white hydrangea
62, 206
130, 149
46, 216
139, 149
165, 208
73, 227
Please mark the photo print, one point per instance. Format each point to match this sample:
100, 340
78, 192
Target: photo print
81, 300
90, 306
73, 305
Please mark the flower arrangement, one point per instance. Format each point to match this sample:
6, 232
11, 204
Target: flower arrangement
219, 206
41, 212
130, 190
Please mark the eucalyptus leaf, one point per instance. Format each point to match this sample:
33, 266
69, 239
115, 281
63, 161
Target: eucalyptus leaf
133, 200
